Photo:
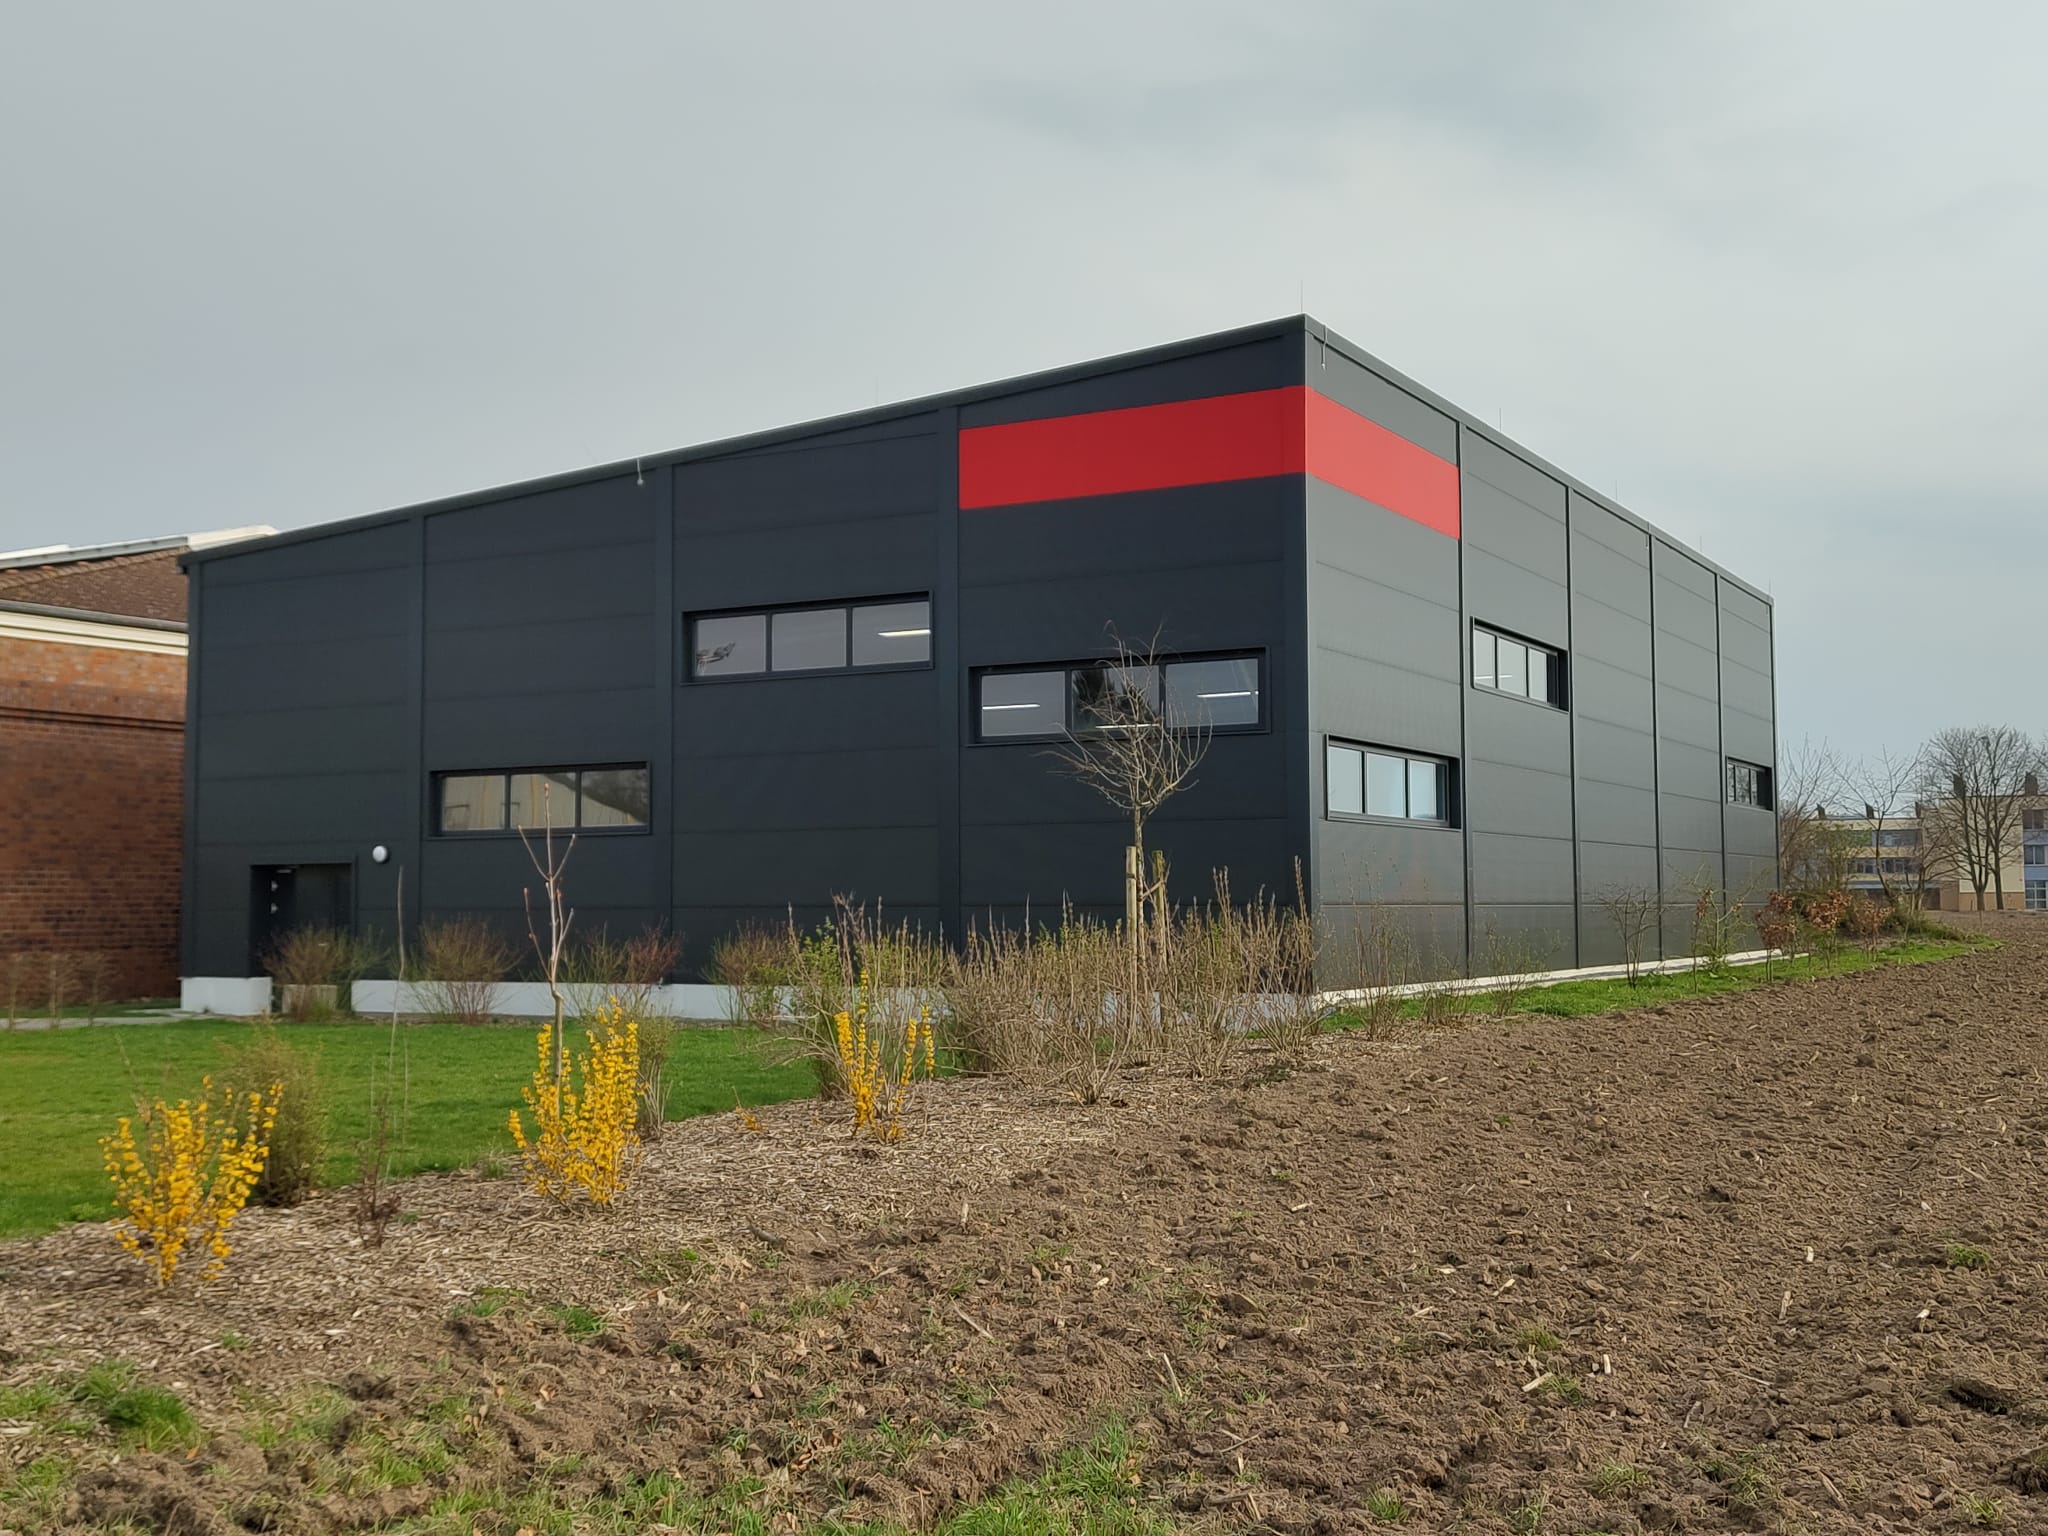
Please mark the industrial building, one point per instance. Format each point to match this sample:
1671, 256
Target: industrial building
1465, 692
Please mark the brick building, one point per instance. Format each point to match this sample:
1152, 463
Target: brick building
92, 716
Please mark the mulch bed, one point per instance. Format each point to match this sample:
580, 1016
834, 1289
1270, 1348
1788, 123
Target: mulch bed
1483, 1271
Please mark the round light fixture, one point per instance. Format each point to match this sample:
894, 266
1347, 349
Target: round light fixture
380, 853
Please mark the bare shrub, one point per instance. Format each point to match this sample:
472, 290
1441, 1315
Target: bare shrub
898, 972
1051, 1008
314, 968
60, 982
751, 962
96, 972
461, 961
298, 1136
1632, 909
1515, 959
16, 978
1866, 920
600, 969
1383, 961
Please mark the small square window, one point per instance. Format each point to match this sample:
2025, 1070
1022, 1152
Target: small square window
1344, 776
892, 634
1023, 704
1213, 693
729, 647
473, 802
807, 640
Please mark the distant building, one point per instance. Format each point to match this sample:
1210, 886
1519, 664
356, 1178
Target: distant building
92, 718
1896, 855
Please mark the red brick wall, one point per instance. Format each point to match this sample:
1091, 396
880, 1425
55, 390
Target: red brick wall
92, 803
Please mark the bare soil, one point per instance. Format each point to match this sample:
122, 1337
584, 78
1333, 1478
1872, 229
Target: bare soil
1701, 1267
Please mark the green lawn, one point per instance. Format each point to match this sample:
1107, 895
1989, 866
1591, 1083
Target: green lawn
1573, 998
65, 1088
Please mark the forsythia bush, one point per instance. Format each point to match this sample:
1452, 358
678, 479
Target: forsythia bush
878, 1088
585, 1139
181, 1184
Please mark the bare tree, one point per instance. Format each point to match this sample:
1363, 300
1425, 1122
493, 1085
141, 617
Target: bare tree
560, 915
1976, 783
1810, 794
1886, 789
1128, 749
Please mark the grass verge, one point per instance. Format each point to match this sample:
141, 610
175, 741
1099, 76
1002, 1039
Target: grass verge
65, 1088
1573, 999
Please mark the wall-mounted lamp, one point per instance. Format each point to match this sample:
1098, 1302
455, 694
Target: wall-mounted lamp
379, 854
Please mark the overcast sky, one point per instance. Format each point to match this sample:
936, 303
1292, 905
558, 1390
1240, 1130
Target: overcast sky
1774, 272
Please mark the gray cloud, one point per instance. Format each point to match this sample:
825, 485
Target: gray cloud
1772, 271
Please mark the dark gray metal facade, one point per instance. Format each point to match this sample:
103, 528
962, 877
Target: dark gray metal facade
336, 671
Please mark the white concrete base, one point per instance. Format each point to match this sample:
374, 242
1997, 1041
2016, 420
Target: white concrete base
233, 997
1462, 984
530, 999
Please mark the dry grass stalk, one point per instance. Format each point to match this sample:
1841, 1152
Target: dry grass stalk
750, 961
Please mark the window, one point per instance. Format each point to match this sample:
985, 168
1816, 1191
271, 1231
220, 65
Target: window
473, 802
1023, 704
1748, 784
1502, 664
1899, 837
1213, 693
1216, 693
1364, 781
807, 640
2037, 895
2034, 821
571, 799
2034, 853
841, 638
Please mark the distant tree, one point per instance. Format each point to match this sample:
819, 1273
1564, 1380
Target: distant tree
1811, 848
1975, 784
1884, 790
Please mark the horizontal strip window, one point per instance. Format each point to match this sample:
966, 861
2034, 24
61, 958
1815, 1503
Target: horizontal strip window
1749, 784
1214, 693
1503, 664
612, 798
1378, 784
871, 636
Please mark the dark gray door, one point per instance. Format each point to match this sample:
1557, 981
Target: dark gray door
287, 896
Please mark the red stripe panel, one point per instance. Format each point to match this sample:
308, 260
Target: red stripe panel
1143, 448
1288, 431
1364, 458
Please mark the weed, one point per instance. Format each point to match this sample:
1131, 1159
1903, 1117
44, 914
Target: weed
1538, 1340
1385, 1507
151, 1417
1615, 1478
1528, 1519
1983, 1510
232, 1340
670, 1266
831, 1300
489, 1301
1964, 1256
492, 1165
1566, 1389
1745, 1481
577, 1322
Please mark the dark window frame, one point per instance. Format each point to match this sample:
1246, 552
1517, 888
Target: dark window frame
692, 678
1449, 792
1070, 727
1559, 662
439, 777
1762, 793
